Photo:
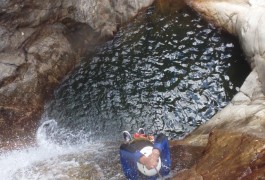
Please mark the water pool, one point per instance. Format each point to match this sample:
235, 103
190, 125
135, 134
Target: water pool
165, 72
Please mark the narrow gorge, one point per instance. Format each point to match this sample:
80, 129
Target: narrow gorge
75, 74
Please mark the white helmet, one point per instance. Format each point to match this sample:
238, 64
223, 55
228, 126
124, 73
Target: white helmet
148, 172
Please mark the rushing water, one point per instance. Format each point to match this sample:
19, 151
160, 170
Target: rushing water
163, 72
59, 160
166, 72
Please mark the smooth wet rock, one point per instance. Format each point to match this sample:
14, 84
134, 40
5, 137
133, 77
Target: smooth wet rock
184, 155
9, 64
245, 113
246, 110
234, 138
243, 18
229, 155
41, 42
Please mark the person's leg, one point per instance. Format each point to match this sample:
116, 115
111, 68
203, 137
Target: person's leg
161, 143
129, 160
141, 131
127, 136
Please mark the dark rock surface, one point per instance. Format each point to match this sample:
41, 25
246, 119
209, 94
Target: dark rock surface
41, 42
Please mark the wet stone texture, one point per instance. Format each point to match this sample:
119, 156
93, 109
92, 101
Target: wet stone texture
234, 139
226, 156
184, 155
41, 42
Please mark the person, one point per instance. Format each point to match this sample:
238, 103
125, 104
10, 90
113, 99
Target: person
136, 164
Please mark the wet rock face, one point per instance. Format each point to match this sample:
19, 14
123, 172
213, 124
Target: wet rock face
184, 155
229, 156
234, 138
41, 41
243, 18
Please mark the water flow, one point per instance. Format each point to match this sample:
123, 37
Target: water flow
164, 72
54, 154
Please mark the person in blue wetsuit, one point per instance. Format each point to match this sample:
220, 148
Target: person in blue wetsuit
132, 157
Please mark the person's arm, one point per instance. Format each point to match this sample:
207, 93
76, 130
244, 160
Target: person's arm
151, 161
160, 144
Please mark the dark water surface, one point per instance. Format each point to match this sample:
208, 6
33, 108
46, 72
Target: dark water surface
165, 72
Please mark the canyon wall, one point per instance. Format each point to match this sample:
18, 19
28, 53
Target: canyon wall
231, 144
41, 42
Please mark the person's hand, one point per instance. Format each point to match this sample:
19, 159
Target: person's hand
151, 161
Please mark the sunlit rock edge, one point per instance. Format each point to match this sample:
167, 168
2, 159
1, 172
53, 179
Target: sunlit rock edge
231, 144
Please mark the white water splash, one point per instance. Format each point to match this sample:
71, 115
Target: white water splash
52, 143
257, 2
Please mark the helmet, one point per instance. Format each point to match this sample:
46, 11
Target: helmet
148, 172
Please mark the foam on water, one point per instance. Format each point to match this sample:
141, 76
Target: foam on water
19, 164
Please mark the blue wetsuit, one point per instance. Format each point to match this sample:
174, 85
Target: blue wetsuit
130, 155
